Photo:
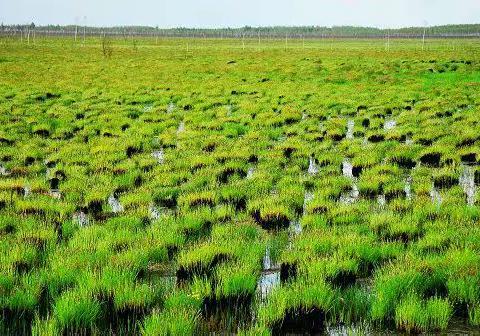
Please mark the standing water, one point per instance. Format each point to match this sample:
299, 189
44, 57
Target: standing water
81, 218
55, 193
26, 191
381, 200
3, 171
467, 182
170, 107
389, 124
269, 278
115, 204
312, 167
350, 126
154, 212
435, 196
158, 155
181, 127
250, 172
307, 199
352, 195
147, 107
295, 227
347, 169
408, 188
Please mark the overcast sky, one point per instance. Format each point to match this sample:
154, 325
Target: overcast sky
237, 13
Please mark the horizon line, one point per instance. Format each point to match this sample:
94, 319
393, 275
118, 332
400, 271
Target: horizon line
236, 27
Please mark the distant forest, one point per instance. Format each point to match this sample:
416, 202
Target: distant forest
462, 30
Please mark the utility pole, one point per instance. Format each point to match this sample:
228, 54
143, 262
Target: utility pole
286, 41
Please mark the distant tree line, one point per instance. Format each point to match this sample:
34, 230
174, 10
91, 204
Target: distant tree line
463, 30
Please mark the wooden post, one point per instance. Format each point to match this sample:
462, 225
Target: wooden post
387, 45
423, 39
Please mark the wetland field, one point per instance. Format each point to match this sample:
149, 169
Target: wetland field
229, 186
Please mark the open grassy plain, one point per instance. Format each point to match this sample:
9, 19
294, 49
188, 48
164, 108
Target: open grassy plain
182, 186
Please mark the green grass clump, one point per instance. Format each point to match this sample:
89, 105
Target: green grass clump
178, 317
414, 315
76, 311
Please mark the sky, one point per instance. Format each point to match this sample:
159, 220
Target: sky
238, 13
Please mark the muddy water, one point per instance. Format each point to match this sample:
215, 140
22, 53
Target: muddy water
312, 167
159, 156
115, 204
350, 126
467, 182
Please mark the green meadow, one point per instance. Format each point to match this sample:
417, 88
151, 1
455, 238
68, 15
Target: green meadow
255, 187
